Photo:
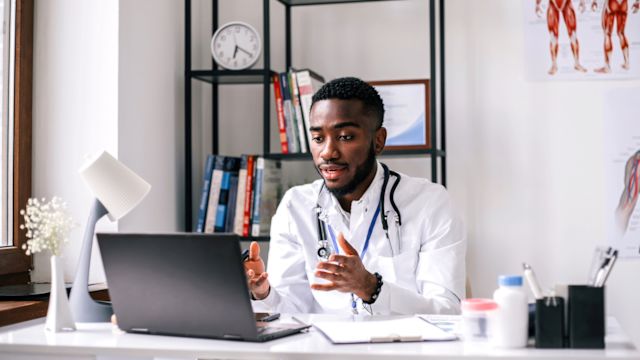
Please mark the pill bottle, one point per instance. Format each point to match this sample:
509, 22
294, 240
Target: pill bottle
477, 318
510, 326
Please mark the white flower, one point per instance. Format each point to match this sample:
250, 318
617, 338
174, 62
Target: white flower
47, 225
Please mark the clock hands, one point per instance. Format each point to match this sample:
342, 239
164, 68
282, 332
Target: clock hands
235, 51
243, 50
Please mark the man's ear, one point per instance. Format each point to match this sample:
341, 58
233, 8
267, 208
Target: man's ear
380, 139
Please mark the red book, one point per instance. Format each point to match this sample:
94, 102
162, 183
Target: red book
282, 126
248, 201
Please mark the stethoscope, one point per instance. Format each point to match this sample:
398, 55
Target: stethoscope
323, 243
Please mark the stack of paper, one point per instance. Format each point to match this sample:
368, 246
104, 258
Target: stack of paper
395, 330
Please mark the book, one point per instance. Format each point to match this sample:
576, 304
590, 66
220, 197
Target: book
204, 197
289, 114
282, 125
214, 194
295, 101
267, 191
248, 200
231, 209
241, 195
308, 83
231, 166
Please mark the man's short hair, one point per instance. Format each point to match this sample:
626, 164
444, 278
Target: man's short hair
348, 88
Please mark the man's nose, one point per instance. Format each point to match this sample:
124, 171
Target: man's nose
329, 151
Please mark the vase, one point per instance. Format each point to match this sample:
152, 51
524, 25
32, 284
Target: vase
59, 313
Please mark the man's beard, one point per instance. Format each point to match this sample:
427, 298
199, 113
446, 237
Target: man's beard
362, 171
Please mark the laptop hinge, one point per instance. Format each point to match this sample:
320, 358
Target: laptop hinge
139, 330
232, 337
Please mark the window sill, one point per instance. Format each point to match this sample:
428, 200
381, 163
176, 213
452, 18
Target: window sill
12, 312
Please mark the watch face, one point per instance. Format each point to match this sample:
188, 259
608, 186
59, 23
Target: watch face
236, 45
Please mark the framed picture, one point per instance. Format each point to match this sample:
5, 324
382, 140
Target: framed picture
407, 113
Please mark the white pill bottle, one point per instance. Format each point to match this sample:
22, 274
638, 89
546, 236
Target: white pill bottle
512, 316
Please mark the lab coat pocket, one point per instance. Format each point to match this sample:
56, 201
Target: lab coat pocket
398, 269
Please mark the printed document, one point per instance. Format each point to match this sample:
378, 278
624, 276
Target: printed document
394, 330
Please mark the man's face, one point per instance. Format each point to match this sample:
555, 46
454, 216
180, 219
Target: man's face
344, 144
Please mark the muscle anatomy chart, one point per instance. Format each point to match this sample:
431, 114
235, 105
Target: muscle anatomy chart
622, 171
582, 39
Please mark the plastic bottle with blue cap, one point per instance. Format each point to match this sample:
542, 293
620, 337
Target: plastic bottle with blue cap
510, 327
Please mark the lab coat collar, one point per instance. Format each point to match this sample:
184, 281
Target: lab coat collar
369, 200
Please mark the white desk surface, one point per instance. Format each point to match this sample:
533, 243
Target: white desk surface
29, 340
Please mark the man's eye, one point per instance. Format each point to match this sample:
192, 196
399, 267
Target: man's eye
316, 139
345, 137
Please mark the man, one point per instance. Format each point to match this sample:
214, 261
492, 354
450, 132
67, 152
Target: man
419, 268
614, 11
564, 8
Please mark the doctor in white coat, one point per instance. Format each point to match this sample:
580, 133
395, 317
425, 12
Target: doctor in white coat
416, 266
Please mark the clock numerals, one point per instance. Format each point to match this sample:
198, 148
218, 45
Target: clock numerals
235, 46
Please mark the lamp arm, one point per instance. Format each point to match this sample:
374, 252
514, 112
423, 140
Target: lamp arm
83, 307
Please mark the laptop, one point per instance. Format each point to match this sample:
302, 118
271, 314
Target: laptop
183, 284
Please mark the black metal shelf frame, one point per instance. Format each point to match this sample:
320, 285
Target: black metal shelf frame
263, 76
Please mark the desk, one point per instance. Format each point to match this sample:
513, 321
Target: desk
96, 340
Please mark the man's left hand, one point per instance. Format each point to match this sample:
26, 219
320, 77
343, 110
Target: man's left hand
346, 273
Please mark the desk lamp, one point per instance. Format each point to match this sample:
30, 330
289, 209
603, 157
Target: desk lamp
117, 190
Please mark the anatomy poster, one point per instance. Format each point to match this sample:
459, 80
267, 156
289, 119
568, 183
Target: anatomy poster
582, 39
622, 170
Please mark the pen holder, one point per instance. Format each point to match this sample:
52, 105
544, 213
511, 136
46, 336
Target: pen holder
586, 317
549, 323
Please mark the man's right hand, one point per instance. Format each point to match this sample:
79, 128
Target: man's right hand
256, 276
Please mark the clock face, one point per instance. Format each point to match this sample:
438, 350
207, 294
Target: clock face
236, 45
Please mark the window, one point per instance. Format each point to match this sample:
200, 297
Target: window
15, 140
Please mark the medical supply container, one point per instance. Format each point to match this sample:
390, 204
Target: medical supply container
509, 330
478, 316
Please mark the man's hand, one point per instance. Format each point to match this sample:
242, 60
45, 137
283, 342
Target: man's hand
594, 5
582, 6
636, 6
256, 276
538, 9
346, 273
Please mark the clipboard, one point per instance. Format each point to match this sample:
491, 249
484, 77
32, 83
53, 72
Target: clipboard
372, 330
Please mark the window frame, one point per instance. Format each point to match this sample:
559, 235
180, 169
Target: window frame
14, 263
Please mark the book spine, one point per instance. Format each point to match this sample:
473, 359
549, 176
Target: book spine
305, 90
289, 114
255, 218
282, 126
223, 200
242, 186
270, 194
214, 194
295, 101
231, 207
206, 184
248, 200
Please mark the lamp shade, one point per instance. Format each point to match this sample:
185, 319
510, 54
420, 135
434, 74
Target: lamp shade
116, 186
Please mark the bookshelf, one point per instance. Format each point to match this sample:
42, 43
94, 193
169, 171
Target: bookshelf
216, 77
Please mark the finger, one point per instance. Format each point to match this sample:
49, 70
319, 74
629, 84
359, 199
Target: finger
324, 287
254, 251
340, 259
329, 266
260, 280
328, 276
345, 246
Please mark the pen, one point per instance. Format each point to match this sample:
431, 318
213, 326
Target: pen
531, 279
601, 270
607, 269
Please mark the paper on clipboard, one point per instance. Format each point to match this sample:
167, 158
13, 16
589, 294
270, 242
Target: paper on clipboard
395, 330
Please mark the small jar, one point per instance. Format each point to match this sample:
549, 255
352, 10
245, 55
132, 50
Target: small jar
477, 316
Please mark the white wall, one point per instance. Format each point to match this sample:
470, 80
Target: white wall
75, 107
526, 159
108, 75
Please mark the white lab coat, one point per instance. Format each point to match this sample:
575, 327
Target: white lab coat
424, 272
